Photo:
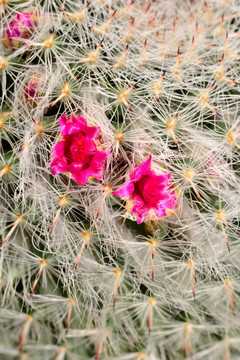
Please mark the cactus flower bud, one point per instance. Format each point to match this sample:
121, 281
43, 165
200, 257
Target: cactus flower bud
19, 28
32, 91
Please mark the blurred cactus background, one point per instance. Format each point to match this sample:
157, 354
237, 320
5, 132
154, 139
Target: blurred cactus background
88, 271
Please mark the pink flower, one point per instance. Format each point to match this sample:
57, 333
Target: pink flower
19, 28
148, 191
77, 153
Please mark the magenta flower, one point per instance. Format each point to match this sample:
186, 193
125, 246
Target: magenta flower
77, 153
148, 191
19, 28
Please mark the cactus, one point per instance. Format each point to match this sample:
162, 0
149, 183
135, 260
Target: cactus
119, 180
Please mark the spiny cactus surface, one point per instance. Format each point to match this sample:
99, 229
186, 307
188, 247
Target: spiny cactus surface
119, 180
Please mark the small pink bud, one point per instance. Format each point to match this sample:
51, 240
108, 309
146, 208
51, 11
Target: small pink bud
20, 28
32, 91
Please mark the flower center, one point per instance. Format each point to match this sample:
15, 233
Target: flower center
145, 189
139, 186
76, 148
149, 191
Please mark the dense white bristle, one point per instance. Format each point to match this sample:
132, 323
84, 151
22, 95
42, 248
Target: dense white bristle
79, 278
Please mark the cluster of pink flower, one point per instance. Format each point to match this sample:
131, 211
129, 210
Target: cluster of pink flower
77, 154
19, 28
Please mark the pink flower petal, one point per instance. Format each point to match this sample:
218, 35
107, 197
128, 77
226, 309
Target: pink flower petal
141, 170
96, 165
100, 156
72, 125
93, 131
81, 177
76, 167
160, 212
168, 203
160, 178
125, 190
59, 165
140, 211
58, 149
